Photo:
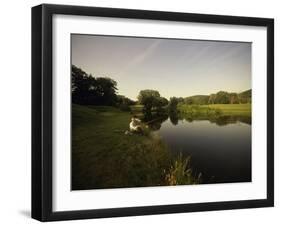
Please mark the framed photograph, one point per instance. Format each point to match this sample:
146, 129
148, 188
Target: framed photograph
145, 112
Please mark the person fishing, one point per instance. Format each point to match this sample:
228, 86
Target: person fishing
135, 125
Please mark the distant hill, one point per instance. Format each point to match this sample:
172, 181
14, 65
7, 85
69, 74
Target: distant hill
221, 97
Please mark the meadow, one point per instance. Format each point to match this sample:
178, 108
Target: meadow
233, 109
217, 109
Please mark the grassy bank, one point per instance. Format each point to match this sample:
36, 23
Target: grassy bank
211, 109
104, 157
233, 109
216, 109
137, 108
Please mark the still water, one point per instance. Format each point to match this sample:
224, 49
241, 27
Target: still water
220, 150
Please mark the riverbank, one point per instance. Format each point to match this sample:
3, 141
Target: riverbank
104, 157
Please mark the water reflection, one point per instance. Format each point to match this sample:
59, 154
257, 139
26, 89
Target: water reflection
220, 147
155, 120
174, 118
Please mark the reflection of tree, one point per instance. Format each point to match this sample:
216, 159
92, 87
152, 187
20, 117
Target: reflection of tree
173, 105
147, 116
246, 119
155, 121
174, 118
155, 125
189, 119
225, 120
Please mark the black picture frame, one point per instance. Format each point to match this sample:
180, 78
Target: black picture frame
42, 111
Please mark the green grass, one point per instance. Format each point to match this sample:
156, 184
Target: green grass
104, 157
216, 109
233, 109
137, 110
98, 146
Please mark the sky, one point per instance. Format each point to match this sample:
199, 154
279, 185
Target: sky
174, 67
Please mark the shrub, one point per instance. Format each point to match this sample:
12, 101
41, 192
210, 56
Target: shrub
180, 172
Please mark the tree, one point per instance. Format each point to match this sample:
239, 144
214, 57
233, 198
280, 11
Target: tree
159, 105
81, 83
124, 103
233, 98
149, 98
89, 90
222, 98
160, 102
245, 97
212, 99
173, 104
106, 91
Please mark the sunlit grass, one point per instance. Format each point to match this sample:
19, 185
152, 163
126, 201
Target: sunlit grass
216, 109
233, 109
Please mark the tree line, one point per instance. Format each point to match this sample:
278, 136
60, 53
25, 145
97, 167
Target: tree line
220, 97
90, 90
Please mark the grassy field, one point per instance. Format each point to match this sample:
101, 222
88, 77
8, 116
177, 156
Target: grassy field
99, 158
103, 156
217, 109
136, 108
233, 109
224, 109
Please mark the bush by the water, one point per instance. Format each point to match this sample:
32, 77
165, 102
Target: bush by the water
180, 173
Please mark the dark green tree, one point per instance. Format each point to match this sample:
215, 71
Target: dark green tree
149, 99
222, 98
173, 103
233, 98
159, 105
89, 90
124, 103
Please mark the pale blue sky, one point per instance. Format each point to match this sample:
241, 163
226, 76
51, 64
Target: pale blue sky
173, 67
